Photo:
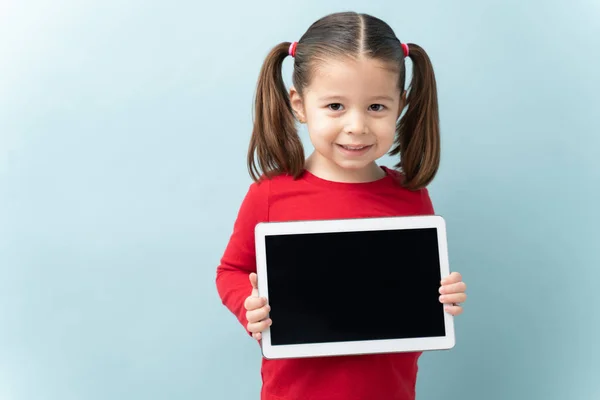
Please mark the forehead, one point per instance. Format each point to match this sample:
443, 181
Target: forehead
354, 77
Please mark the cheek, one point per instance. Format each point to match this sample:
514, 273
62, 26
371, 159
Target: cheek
322, 127
386, 130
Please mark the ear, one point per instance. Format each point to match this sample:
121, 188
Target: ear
297, 105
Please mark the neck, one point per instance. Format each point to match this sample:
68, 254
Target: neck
328, 170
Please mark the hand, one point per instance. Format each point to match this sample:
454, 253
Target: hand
257, 310
452, 292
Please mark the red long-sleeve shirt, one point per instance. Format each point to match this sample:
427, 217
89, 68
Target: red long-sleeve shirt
363, 377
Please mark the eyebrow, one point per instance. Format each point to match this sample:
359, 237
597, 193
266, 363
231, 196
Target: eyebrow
338, 98
331, 98
388, 98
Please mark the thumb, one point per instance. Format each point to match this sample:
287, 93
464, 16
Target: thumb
254, 282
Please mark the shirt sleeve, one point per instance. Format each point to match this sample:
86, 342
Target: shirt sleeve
427, 203
239, 258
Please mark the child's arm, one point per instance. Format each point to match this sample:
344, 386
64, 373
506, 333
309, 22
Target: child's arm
239, 259
452, 288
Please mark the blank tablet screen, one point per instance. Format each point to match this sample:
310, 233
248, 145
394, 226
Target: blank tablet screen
354, 286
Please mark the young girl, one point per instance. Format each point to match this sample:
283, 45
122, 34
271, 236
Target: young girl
349, 88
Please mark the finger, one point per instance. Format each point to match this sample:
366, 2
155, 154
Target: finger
254, 280
259, 314
453, 310
453, 298
454, 277
459, 287
257, 335
256, 327
254, 302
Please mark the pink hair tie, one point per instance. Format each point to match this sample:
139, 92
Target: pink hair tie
292, 50
405, 48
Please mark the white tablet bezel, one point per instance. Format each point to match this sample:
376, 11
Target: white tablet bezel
352, 347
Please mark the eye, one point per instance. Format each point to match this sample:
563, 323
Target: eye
335, 106
376, 107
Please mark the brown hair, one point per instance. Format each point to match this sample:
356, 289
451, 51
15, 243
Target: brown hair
275, 146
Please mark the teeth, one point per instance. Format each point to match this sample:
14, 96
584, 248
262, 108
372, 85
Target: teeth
354, 147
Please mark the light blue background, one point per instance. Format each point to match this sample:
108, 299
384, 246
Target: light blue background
123, 134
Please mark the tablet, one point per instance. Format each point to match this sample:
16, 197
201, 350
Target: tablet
353, 286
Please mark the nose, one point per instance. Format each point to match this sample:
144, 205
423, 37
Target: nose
355, 123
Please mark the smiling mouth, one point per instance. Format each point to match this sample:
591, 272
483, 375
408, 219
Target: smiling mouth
354, 147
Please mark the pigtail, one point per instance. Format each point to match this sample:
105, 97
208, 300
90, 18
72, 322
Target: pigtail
418, 131
275, 146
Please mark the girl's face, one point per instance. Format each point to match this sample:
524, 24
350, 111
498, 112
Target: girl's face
351, 108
